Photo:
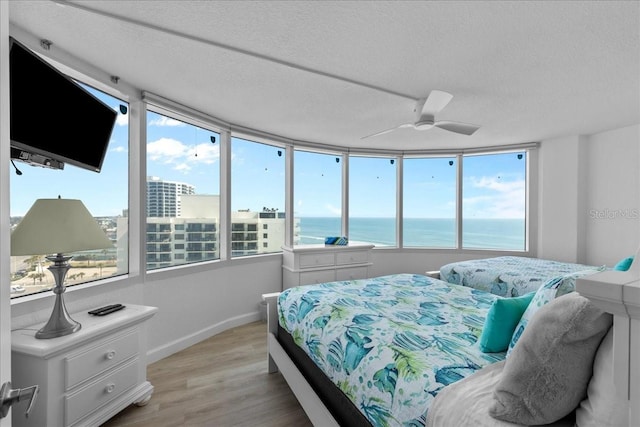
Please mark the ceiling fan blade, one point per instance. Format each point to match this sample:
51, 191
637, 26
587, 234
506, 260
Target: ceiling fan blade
435, 102
457, 127
406, 125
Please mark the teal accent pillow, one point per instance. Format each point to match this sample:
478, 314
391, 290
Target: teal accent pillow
501, 321
624, 264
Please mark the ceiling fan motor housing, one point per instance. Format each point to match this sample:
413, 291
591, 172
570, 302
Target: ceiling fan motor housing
426, 122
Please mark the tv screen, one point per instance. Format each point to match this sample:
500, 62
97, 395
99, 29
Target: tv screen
53, 119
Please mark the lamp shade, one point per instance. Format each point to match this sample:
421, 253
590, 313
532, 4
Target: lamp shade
55, 226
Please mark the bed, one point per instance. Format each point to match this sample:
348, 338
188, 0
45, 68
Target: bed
385, 351
513, 275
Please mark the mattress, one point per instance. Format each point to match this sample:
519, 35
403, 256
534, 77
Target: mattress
510, 276
389, 344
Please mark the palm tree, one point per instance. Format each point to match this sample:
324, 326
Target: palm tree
35, 276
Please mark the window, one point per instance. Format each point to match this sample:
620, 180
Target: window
183, 191
494, 201
429, 202
317, 196
257, 196
372, 200
105, 195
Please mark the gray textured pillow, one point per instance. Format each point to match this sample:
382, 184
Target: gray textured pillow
547, 374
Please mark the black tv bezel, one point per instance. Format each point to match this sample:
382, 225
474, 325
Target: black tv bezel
40, 152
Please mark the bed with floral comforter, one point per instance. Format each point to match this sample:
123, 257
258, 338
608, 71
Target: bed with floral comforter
511, 276
390, 343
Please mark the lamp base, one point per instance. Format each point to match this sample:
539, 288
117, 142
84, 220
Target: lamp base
60, 323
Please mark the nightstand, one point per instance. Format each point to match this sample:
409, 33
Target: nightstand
87, 377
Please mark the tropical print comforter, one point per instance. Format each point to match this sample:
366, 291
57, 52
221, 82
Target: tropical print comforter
511, 276
389, 343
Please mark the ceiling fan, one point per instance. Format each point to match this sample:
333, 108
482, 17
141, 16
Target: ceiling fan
426, 109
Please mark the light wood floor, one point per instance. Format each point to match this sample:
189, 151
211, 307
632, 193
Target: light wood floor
219, 382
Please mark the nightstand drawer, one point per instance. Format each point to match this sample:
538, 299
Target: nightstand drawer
100, 392
316, 260
352, 257
95, 360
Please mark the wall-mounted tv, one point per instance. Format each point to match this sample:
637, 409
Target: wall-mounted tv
53, 119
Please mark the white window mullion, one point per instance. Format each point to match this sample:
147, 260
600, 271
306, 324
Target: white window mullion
345, 194
400, 201
459, 203
225, 195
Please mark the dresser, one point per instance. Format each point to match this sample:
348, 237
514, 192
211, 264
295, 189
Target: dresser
87, 377
308, 264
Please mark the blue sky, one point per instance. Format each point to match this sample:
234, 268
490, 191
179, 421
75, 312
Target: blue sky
494, 185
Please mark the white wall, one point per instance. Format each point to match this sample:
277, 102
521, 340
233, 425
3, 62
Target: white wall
196, 306
589, 201
612, 215
559, 187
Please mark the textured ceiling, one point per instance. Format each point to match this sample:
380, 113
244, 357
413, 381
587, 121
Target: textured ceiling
332, 72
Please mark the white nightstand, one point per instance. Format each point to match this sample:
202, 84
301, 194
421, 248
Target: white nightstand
87, 377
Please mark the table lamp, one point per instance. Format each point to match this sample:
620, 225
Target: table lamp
57, 226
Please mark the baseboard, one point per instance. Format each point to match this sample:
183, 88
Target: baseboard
158, 353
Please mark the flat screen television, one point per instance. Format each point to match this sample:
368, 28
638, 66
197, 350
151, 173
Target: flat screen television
53, 119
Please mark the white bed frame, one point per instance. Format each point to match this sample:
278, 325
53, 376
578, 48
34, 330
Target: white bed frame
618, 292
615, 292
279, 359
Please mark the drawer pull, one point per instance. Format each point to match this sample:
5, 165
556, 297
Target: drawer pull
111, 354
110, 387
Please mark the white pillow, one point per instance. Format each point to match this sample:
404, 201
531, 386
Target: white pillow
602, 407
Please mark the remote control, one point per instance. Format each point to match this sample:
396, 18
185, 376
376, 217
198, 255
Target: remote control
101, 309
110, 310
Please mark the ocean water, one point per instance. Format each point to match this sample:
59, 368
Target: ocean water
508, 234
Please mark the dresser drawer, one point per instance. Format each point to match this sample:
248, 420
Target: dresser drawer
320, 276
352, 273
100, 392
352, 257
82, 366
316, 260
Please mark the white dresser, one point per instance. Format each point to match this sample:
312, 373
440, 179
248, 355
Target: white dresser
308, 264
87, 377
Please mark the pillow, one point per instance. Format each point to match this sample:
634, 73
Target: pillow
553, 288
624, 264
501, 321
544, 294
548, 372
602, 407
